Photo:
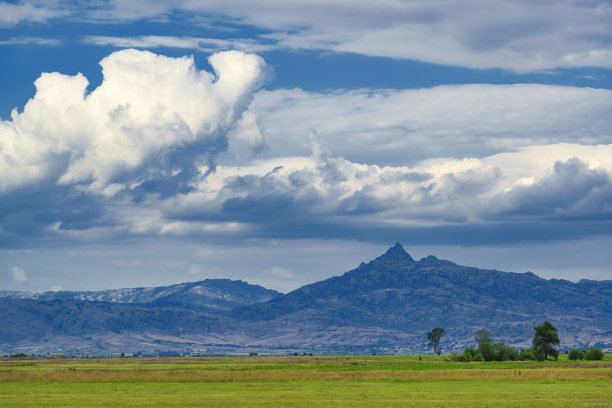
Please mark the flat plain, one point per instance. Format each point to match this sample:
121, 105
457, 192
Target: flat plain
302, 381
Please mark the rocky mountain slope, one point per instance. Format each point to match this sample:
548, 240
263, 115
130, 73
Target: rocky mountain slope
386, 305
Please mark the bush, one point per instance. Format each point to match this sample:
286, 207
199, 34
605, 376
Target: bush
487, 351
469, 354
457, 358
575, 354
472, 354
594, 354
505, 352
527, 354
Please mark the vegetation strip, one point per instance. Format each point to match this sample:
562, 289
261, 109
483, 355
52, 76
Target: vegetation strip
303, 381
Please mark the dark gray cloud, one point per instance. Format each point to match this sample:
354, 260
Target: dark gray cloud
573, 190
30, 216
172, 172
449, 202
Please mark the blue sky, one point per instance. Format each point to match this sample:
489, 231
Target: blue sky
284, 142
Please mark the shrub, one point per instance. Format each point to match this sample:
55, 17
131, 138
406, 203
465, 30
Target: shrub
487, 351
505, 352
594, 354
458, 358
575, 354
472, 354
477, 356
527, 354
469, 354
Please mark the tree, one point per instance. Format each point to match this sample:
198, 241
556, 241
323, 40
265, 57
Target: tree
544, 340
482, 336
434, 337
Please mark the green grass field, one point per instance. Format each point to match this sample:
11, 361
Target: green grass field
326, 381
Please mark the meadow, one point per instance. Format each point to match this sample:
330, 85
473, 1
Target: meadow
302, 381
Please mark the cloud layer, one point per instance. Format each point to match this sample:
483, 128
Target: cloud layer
164, 153
11, 14
177, 161
405, 126
163, 149
297, 196
519, 35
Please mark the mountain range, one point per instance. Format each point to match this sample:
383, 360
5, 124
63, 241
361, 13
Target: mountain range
386, 305
209, 295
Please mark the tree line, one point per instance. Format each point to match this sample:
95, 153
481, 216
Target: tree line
545, 338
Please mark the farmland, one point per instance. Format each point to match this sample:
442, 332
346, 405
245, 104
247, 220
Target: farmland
301, 381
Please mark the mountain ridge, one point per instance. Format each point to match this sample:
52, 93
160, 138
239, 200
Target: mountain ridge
418, 295
205, 295
385, 305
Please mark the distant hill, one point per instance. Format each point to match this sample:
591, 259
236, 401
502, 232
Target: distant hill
207, 295
385, 305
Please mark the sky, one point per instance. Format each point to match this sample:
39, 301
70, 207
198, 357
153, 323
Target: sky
147, 143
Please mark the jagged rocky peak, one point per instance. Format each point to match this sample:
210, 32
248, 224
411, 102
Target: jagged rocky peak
396, 253
429, 260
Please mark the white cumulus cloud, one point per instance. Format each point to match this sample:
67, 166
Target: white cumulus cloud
147, 108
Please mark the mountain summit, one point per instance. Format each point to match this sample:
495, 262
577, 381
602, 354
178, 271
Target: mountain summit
395, 254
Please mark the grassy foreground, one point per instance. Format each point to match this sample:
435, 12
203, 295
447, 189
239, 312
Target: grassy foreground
328, 381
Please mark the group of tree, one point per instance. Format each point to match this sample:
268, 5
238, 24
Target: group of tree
545, 338
594, 353
487, 350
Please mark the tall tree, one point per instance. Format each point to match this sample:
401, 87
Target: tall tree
434, 337
482, 336
544, 340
